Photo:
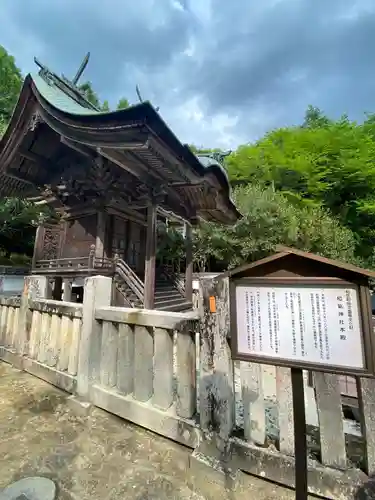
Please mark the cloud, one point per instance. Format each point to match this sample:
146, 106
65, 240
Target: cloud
222, 72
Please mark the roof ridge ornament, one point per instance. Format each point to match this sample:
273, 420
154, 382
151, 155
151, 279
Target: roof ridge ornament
67, 86
216, 155
140, 97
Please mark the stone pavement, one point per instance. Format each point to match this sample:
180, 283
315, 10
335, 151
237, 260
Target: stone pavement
99, 457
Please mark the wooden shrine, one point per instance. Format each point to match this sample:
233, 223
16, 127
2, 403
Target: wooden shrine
109, 176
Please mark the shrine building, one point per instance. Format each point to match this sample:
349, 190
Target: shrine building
110, 176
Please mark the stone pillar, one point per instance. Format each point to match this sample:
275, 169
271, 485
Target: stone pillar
97, 294
35, 287
67, 292
149, 297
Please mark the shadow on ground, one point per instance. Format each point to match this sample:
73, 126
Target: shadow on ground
99, 457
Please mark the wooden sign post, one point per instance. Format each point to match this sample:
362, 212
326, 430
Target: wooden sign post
304, 312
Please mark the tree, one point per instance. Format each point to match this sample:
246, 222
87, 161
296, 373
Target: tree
18, 220
269, 219
93, 97
10, 85
89, 93
123, 103
105, 106
325, 162
314, 118
3, 126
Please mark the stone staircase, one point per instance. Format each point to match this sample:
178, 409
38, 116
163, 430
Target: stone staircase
129, 289
168, 297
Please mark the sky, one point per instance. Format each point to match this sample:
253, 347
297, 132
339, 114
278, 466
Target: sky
223, 73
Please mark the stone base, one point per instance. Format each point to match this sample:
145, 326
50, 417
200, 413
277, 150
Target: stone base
78, 406
212, 479
209, 477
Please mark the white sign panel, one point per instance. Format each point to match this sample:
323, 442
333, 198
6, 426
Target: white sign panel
300, 323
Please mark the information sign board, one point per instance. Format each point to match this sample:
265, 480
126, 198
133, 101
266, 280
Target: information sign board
310, 324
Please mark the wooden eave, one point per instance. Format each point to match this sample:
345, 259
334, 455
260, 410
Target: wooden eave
135, 139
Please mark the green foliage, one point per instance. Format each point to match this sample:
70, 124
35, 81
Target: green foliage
170, 243
18, 220
310, 186
314, 118
269, 219
3, 126
93, 97
324, 162
123, 103
105, 106
10, 85
90, 94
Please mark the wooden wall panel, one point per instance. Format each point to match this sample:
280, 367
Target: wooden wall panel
80, 235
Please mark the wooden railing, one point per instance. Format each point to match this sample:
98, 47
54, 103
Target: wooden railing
64, 264
133, 282
174, 278
74, 264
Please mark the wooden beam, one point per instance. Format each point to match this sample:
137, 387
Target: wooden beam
123, 162
183, 168
36, 158
189, 262
38, 245
100, 250
79, 148
57, 288
141, 170
127, 213
149, 294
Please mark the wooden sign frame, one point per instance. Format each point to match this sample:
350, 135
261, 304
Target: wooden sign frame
365, 312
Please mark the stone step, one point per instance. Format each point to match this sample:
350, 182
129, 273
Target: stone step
167, 293
179, 307
172, 301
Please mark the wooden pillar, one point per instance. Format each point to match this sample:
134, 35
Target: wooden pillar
189, 262
57, 288
38, 246
150, 258
100, 250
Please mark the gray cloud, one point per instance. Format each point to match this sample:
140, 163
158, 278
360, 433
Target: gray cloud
222, 72
120, 35
286, 54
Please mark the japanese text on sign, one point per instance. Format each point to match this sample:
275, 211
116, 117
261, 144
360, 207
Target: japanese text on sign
302, 323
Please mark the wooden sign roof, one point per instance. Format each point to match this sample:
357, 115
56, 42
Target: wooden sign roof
293, 260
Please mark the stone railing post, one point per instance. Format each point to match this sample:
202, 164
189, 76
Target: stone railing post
97, 293
35, 287
216, 391
216, 367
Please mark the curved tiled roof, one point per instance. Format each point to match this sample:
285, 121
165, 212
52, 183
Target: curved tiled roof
67, 110
75, 103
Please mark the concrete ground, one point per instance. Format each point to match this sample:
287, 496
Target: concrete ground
99, 457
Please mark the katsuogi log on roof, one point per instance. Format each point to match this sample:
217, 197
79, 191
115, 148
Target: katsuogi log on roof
59, 145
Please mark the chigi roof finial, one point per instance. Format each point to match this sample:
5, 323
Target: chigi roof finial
81, 69
68, 86
140, 97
